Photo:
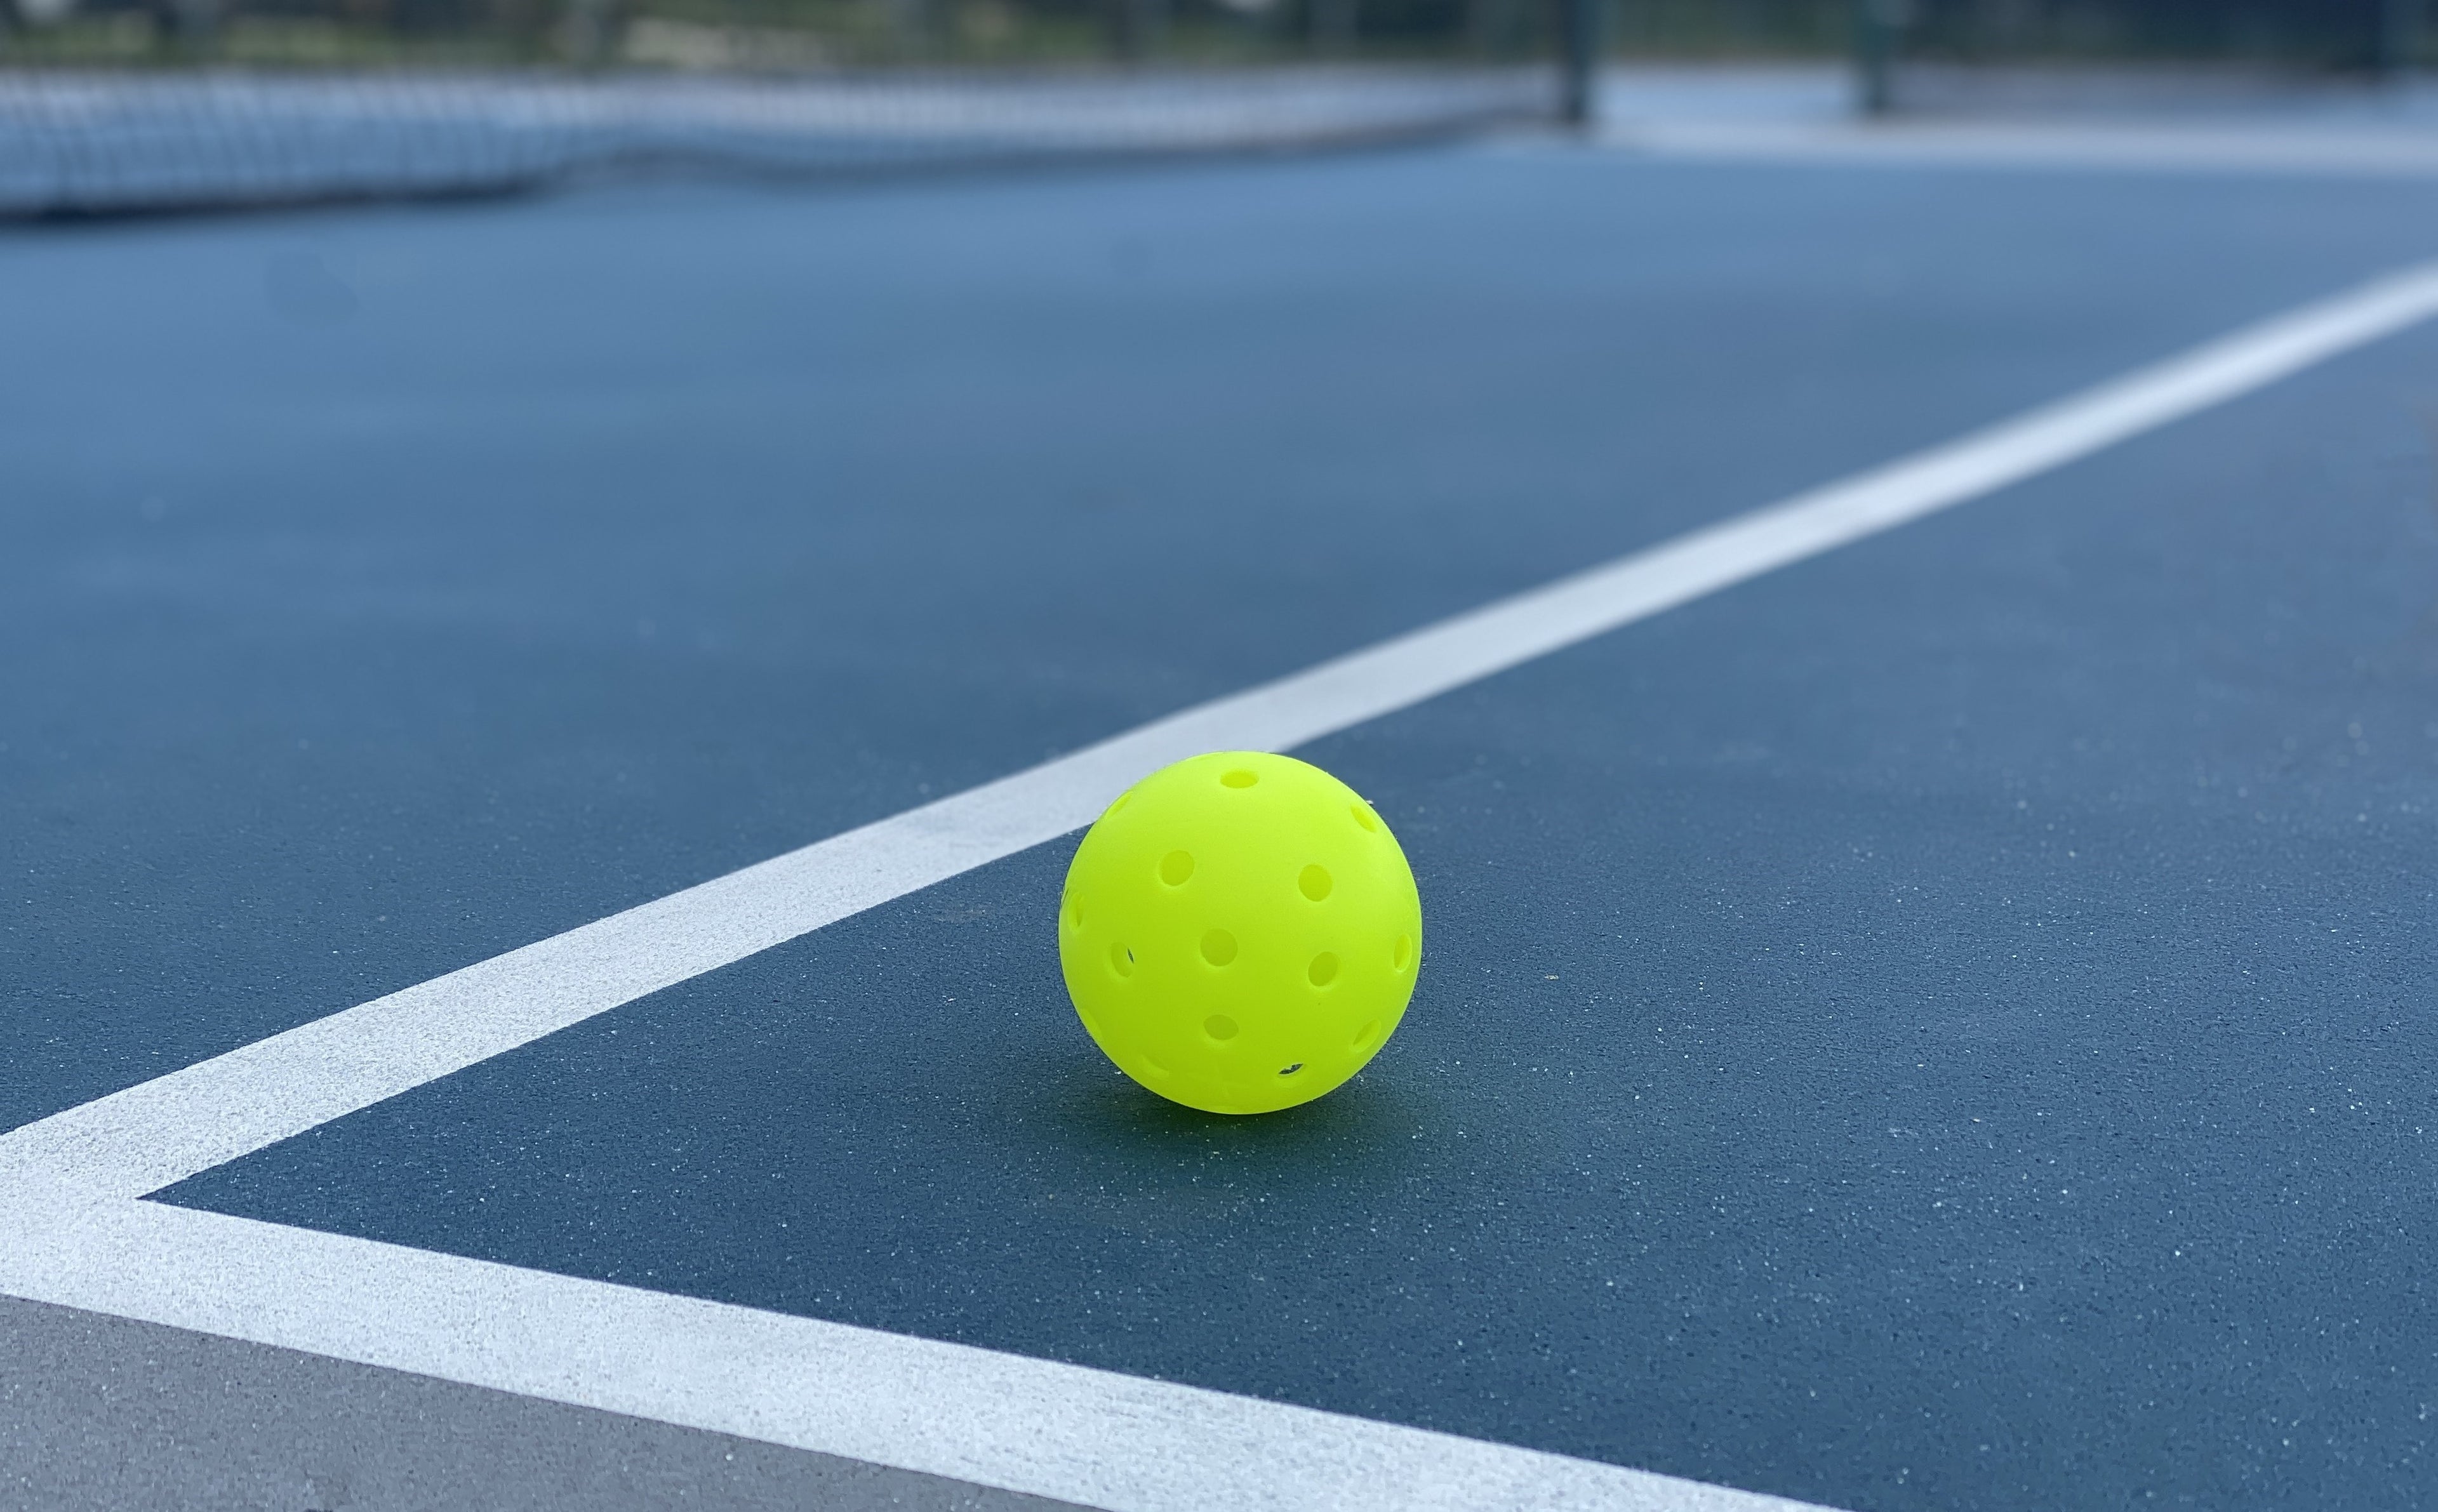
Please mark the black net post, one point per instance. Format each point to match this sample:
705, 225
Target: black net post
1580, 39
1877, 24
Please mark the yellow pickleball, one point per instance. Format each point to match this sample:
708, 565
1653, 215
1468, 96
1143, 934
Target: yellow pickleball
1240, 932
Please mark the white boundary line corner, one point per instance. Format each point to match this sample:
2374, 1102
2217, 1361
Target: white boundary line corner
1002, 1420
79, 1236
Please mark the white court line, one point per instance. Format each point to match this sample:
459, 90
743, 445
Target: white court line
2321, 152
159, 1132
1019, 1424
74, 1236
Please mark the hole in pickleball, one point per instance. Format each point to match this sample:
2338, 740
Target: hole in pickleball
1365, 1035
1219, 1027
1238, 778
1363, 817
1403, 954
1313, 883
1219, 948
1175, 866
1121, 960
1324, 969
1290, 1070
1074, 913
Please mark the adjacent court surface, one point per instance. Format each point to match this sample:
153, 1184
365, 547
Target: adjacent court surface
1942, 1021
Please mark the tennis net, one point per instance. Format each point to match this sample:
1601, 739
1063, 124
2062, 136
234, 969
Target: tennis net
93, 141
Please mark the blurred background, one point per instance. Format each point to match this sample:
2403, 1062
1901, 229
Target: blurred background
113, 105
800, 35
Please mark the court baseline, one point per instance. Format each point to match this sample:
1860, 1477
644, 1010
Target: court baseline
2331, 153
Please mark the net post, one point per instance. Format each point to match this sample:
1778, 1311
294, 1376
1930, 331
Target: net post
1579, 55
1876, 25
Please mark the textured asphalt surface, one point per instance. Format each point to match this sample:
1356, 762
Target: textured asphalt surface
1942, 1025
100, 1411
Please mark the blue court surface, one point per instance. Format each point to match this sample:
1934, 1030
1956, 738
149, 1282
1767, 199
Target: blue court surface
1946, 1023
